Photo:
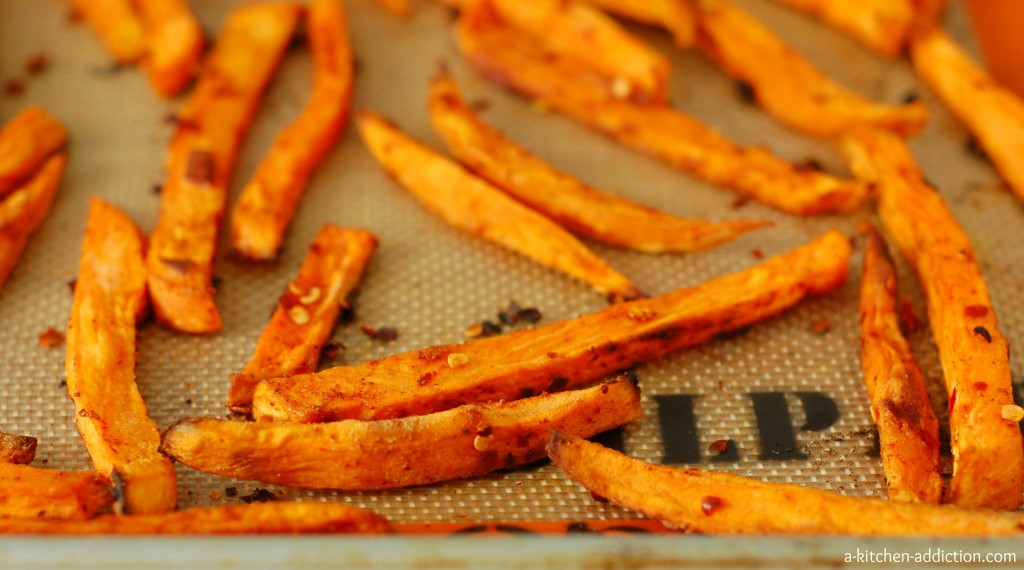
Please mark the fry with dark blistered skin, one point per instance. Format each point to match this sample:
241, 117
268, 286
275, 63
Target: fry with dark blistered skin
675, 16
719, 503
563, 354
988, 454
118, 26
110, 298
26, 141
268, 202
583, 210
257, 518
882, 25
467, 441
994, 115
29, 492
201, 158
788, 86
497, 52
908, 431
471, 204
307, 312
24, 210
174, 44
18, 449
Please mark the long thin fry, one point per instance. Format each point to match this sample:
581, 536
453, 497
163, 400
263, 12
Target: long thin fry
506, 57
908, 431
110, 297
675, 16
467, 441
201, 158
174, 44
307, 312
32, 493
988, 455
26, 141
18, 449
268, 202
583, 210
117, 25
24, 210
471, 204
788, 86
882, 25
563, 354
257, 518
720, 503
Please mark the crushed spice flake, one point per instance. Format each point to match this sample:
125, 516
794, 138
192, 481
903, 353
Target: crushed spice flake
214, 496
719, 446
710, 504
810, 164
598, 498
910, 97
480, 105
231, 491
381, 333
975, 311
739, 202
72, 284
821, 326
974, 148
746, 92
331, 350
757, 253
51, 338
260, 495
511, 315
490, 328
531, 315
983, 333
37, 63
14, 87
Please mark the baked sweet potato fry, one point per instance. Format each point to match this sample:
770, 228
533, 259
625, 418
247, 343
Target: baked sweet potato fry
719, 503
788, 86
307, 312
582, 210
882, 25
174, 44
472, 205
257, 518
506, 57
993, 114
24, 210
268, 202
675, 16
467, 441
988, 455
560, 355
110, 298
908, 431
201, 158
26, 141
118, 26
17, 449
30, 492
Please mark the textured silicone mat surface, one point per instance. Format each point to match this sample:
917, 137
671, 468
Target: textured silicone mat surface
431, 281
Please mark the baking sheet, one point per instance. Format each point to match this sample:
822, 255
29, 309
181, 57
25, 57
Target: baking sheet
431, 281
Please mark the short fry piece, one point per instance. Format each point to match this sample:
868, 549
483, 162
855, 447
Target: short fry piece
467, 441
788, 86
993, 114
174, 44
268, 202
17, 449
110, 297
988, 455
201, 158
30, 492
257, 518
307, 312
560, 355
507, 58
24, 210
720, 503
882, 25
675, 16
117, 25
583, 210
26, 141
908, 431
471, 204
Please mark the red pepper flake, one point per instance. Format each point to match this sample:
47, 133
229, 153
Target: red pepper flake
983, 333
821, 326
382, 333
719, 445
909, 318
975, 311
72, 284
37, 63
214, 496
710, 504
952, 402
757, 253
368, 330
746, 92
51, 338
14, 87
980, 386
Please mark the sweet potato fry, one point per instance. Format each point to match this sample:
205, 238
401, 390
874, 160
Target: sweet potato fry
268, 202
583, 210
24, 210
720, 503
201, 158
29, 492
788, 86
675, 16
563, 354
471, 204
17, 449
504, 56
110, 297
26, 142
463, 442
993, 114
400, 8
988, 455
307, 311
174, 44
882, 25
908, 431
118, 26
257, 518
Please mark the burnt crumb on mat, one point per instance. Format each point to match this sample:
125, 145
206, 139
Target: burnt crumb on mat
14, 87
260, 495
37, 63
231, 491
51, 338
746, 92
821, 326
385, 334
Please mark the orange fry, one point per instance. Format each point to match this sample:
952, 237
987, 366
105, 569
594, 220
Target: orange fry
908, 431
174, 44
675, 16
882, 25
26, 141
788, 86
471, 204
29, 493
110, 297
988, 454
202, 157
24, 210
268, 202
117, 25
307, 312
560, 355
18, 449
